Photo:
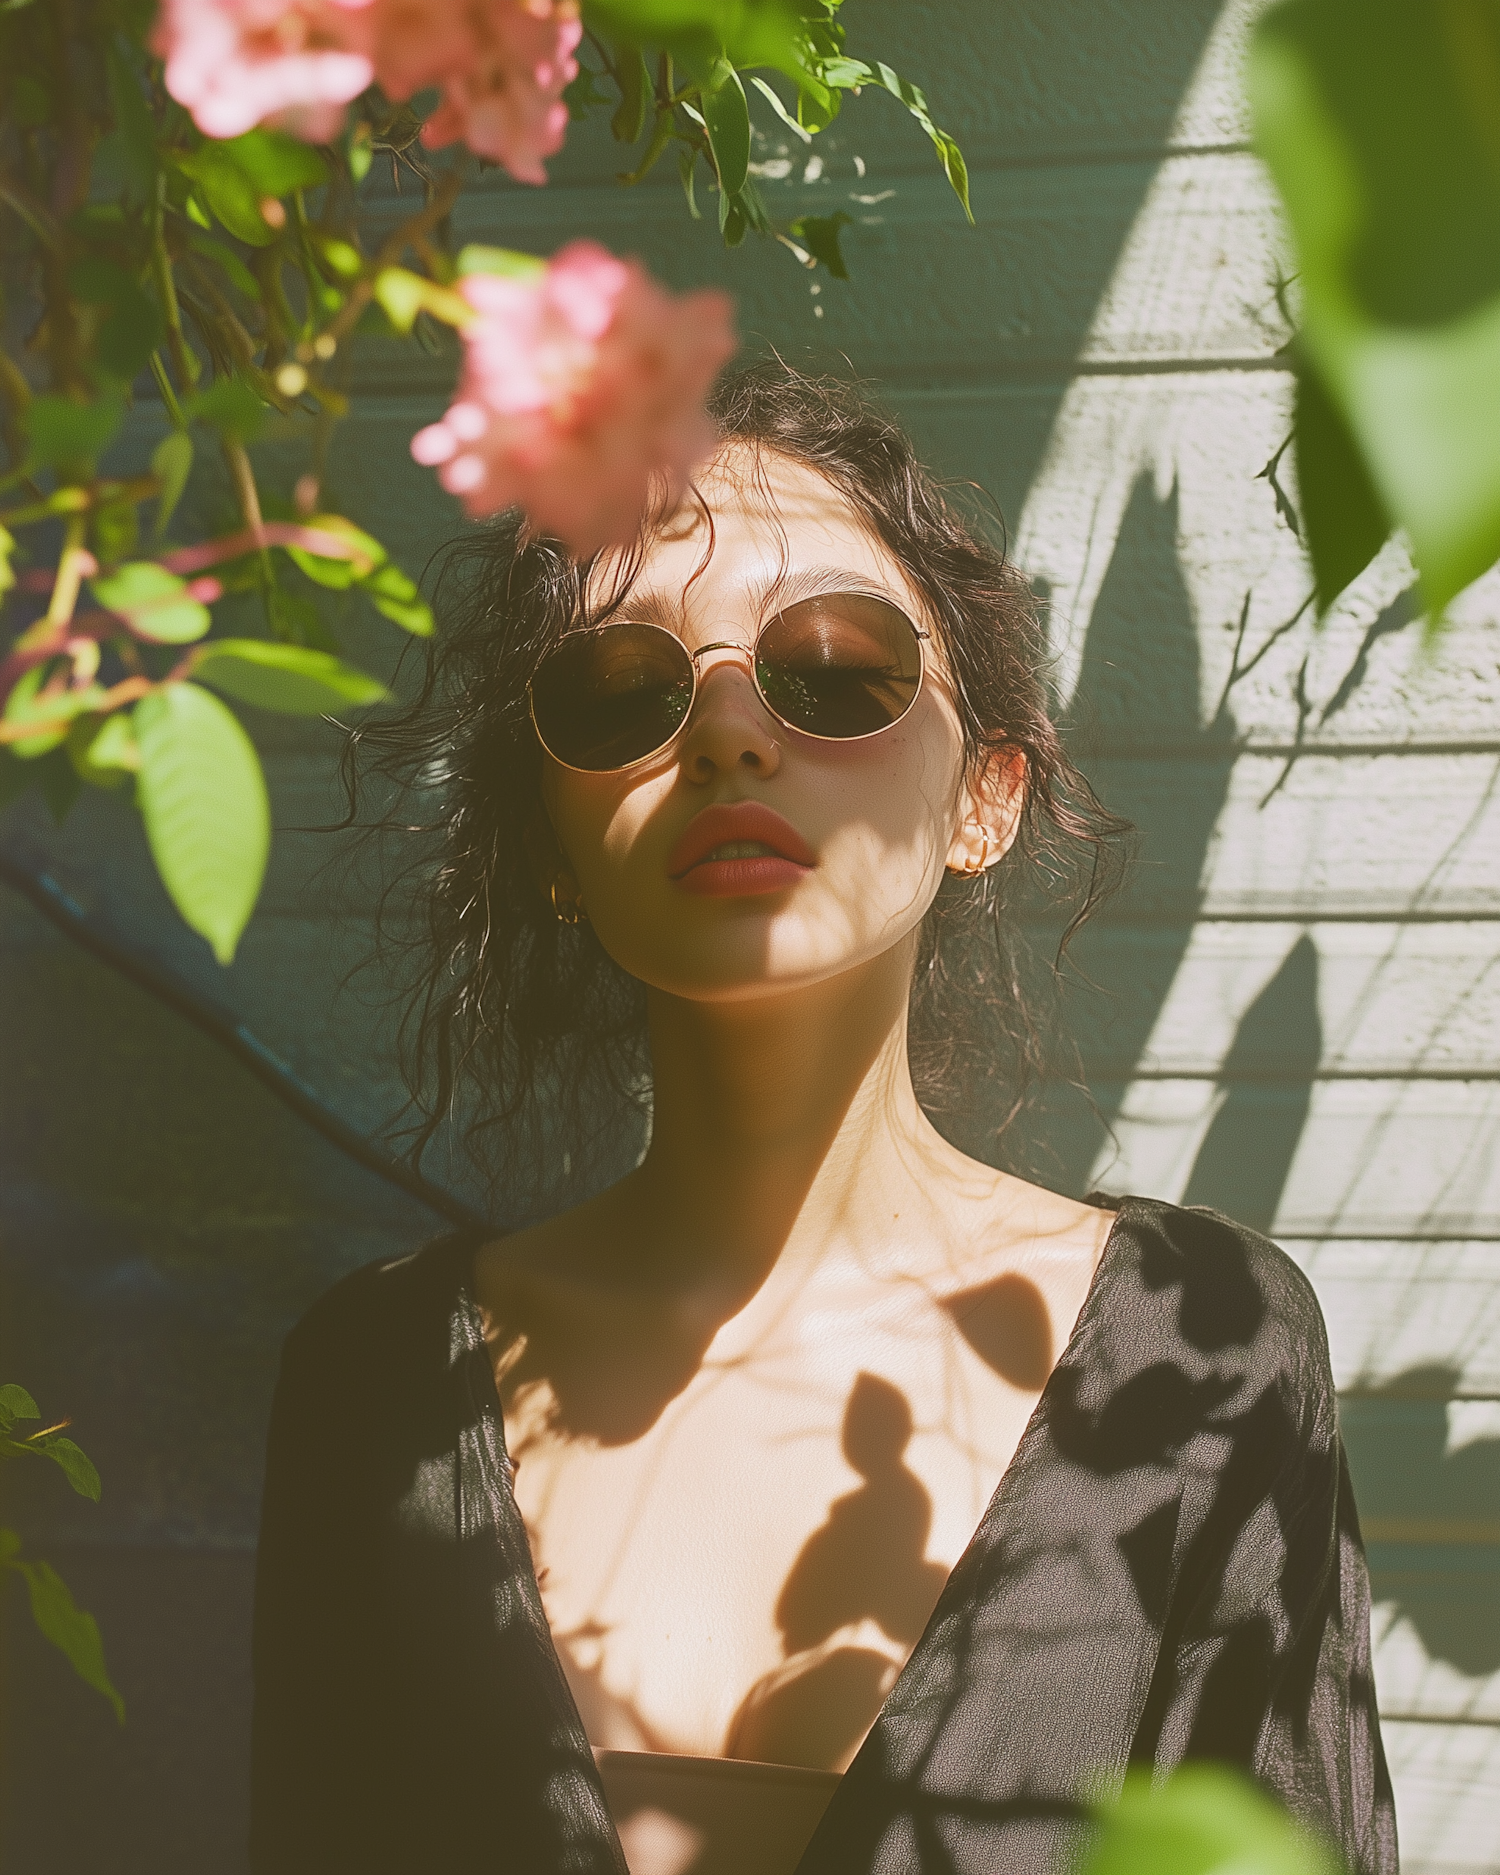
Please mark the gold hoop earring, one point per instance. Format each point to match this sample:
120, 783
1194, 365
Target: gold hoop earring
973, 872
570, 913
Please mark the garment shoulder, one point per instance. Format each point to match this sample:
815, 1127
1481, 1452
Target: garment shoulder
1239, 1299
392, 1299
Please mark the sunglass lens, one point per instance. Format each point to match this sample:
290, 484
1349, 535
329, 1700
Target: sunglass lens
606, 698
841, 666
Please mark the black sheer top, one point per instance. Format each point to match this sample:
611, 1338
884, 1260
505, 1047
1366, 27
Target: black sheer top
1171, 1568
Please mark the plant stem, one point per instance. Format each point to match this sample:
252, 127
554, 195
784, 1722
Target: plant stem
70, 568
184, 358
392, 248
168, 395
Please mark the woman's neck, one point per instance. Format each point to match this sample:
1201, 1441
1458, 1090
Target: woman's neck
783, 1127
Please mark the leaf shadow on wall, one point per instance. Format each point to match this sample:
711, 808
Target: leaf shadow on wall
1246, 1155
1425, 1511
1137, 728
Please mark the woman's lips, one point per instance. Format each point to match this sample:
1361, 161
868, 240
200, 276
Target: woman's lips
739, 850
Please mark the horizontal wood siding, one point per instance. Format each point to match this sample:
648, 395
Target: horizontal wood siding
1298, 1003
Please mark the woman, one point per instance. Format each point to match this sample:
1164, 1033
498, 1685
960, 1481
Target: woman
814, 1496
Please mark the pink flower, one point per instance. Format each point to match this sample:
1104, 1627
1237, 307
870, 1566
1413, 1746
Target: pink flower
502, 66
579, 386
239, 63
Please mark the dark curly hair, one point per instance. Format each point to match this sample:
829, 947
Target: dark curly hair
521, 1033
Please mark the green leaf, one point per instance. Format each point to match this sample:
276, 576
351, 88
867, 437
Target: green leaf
7, 572
819, 234
74, 1633
134, 128
636, 89
153, 602
102, 750
16, 1403
395, 594
1344, 524
213, 247
781, 111
583, 93
133, 327
50, 711
75, 1464
171, 464
1378, 120
228, 191
504, 261
687, 163
342, 256
203, 799
727, 117
403, 294
274, 163
286, 677
747, 32
338, 574
229, 406
1205, 1820
63, 434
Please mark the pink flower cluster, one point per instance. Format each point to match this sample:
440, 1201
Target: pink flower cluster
501, 66
579, 387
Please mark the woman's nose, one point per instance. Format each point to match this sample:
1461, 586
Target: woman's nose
730, 728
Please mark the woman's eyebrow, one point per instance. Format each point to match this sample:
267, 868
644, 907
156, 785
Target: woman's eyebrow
793, 584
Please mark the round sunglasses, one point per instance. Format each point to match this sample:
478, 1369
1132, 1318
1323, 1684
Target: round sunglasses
839, 667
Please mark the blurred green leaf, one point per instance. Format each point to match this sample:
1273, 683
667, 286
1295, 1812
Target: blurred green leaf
133, 327
727, 116
7, 572
747, 32
50, 712
339, 574
213, 247
155, 603
171, 464
1344, 523
1205, 1820
74, 1633
229, 406
505, 261
228, 191
16, 1403
102, 750
819, 234
1380, 121
134, 129
286, 677
395, 594
63, 434
583, 93
274, 163
629, 119
203, 799
74, 1463
342, 256
403, 295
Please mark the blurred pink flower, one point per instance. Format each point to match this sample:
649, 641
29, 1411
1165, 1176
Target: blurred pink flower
579, 386
502, 66
292, 63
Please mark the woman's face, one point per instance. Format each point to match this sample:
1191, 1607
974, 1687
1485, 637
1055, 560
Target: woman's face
863, 830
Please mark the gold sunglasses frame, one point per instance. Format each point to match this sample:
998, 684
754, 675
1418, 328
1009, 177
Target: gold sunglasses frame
923, 638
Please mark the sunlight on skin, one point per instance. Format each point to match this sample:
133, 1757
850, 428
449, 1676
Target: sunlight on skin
687, 1362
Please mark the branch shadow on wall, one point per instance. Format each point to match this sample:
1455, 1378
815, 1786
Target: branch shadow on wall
1137, 728
1426, 1512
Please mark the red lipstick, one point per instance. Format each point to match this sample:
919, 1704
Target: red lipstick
786, 859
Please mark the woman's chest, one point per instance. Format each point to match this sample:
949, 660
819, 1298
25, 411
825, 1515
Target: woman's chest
747, 1577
